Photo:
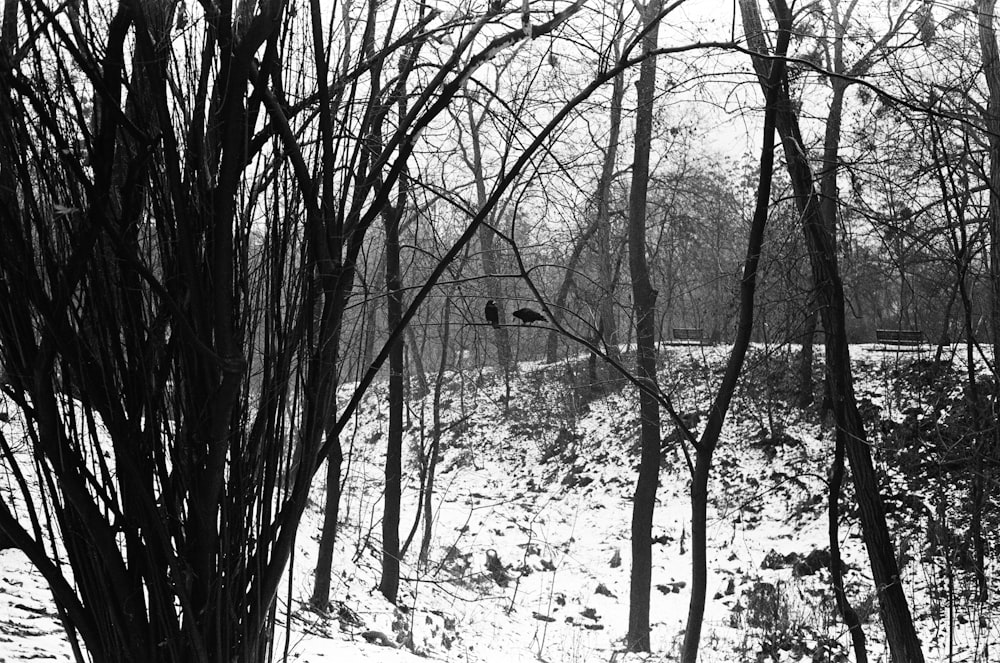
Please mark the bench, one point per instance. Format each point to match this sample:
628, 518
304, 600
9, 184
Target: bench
689, 335
901, 338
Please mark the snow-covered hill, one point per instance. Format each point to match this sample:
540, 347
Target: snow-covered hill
530, 553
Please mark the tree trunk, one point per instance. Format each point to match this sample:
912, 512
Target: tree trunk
699, 554
851, 618
320, 599
601, 227
178, 553
432, 455
963, 256
608, 321
644, 301
829, 198
552, 346
831, 158
389, 583
991, 68
744, 331
806, 386
487, 245
900, 633
415, 354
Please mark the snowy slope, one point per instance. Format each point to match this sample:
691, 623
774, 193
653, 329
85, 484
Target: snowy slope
530, 552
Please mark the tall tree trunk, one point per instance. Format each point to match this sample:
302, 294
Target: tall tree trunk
601, 227
320, 599
806, 386
829, 198
487, 243
416, 355
963, 256
851, 618
329, 304
432, 455
644, 302
829, 289
991, 68
392, 217
841, 23
744, 331
552, 346
389, 583
606, 256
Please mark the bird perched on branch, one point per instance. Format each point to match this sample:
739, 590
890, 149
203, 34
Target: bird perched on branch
527, 315
492, 313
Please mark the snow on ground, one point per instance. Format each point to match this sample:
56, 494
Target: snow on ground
530, 553
30, 629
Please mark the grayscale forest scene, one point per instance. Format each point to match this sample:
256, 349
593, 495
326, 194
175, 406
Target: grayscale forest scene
496, 331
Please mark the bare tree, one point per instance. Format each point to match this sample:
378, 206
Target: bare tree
707, 443
644, 302
608, 326
432, 454
829, 290
172, 311
489, 252
600, 226
836, 23
991, 117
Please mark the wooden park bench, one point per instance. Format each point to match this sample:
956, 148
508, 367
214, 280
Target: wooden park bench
689, 336
902, 339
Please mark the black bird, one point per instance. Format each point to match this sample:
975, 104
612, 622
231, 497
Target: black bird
492, 313
527, 315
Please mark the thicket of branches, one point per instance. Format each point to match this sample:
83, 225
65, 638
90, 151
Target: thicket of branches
215, 215
187, 195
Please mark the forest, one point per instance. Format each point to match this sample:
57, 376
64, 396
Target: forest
492, 330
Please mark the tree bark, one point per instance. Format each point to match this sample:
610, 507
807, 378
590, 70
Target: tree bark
991, 69
963, 257
900, 633
552, 346
389, 583
744, 331
320, 599
851, 618
609, 323
644, 303
806, 397
432, 455
392, 216
601, 227
488, 252
831, 156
